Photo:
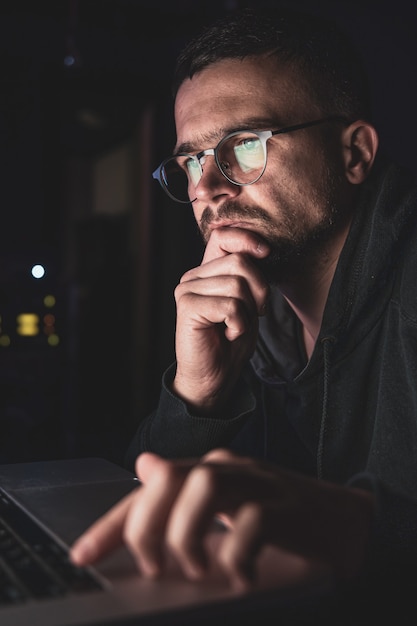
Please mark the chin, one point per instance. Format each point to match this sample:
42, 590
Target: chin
276, 268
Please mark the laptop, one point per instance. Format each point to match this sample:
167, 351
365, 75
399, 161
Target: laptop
50, 503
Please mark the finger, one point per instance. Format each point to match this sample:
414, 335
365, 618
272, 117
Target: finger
226, 240
223, 455
145, 524
190, 518
146, 464
227, 286
104, 535
211, 487
107, 532
208, 311
242, 544
218, 487
233, 276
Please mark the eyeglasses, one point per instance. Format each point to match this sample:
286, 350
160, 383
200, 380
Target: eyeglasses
240, 156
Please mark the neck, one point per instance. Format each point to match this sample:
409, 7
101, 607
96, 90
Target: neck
308, 290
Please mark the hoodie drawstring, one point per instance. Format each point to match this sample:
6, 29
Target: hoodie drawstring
327, 345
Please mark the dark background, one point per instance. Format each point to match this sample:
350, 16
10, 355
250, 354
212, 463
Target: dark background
85, 117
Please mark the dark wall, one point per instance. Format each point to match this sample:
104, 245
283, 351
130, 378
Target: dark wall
78, 81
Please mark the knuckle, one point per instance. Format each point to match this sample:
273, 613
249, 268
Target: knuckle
233, 307
237, 285
183, 297
188, 275
178, 291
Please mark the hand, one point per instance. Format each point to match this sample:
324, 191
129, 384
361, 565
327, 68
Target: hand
218, 304
259, 503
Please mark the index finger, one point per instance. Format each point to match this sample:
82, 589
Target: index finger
228, 239
104, 536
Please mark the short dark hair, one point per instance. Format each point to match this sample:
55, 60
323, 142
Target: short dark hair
318, 48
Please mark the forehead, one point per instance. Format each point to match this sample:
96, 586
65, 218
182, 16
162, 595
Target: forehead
230, 92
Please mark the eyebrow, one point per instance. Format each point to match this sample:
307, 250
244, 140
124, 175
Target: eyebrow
213, 138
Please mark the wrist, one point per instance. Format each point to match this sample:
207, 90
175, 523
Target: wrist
198, 400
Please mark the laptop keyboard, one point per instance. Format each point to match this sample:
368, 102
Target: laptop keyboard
32, 563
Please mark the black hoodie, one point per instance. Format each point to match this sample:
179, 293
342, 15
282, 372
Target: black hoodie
349, 413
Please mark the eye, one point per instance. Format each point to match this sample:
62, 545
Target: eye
250, 144
249, 153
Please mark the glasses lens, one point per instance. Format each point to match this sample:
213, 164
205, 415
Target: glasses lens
178, 174
242, 157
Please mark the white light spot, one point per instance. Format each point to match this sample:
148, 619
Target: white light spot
38, 271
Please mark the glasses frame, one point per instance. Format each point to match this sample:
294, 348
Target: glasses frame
263, 135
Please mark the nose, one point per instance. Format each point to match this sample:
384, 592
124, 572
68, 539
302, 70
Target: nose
213, 186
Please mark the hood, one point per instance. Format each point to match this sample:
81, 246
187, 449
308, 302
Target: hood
362, 285
361, 289
385, 219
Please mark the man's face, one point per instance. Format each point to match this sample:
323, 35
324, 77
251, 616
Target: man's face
303, 197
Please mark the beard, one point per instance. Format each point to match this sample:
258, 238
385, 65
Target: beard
296, 242
290, 258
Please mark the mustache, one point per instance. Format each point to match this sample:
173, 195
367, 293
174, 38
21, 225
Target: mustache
231, 210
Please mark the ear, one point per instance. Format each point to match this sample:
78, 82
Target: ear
360, 144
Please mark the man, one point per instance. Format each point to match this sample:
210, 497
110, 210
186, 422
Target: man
296, 351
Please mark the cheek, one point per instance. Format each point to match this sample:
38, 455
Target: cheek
290, 167
301, 186
288, 177
303, 172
